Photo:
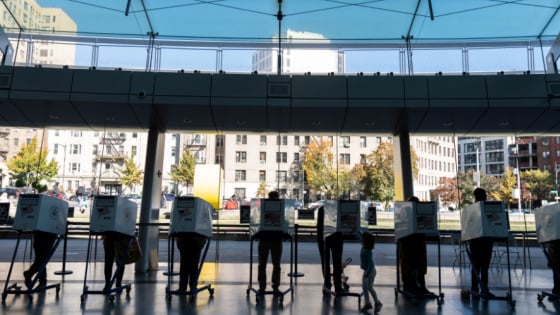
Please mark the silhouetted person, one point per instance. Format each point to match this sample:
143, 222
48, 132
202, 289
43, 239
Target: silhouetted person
190, 246
270, 242
43, 243
115, 246
330, 246
413, 261
481, 255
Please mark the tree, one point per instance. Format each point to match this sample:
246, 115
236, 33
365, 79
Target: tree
447, 191
262, 191
538, 182
130, 174
508, 182
184, 172
459, 190
322, 175
379, 176
30, 165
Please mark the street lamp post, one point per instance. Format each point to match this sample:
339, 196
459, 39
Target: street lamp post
477, 175
63, 164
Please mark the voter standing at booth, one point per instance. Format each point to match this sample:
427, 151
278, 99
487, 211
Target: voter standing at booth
547, 221
340, 220
113, 218
271, 222
413, 261
44, 217
481, 255
191, 228
270, 242
482, 224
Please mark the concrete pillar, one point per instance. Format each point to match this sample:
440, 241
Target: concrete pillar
403, 166
148, 236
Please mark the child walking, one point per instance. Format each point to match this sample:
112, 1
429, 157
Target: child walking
367, 264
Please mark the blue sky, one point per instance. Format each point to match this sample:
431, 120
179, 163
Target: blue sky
354, 20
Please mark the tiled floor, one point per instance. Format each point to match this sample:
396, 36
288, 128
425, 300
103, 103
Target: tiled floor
228, 273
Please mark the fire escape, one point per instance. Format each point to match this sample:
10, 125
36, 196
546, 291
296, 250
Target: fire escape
196, 144
109, 154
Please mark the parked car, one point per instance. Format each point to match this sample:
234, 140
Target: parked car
169, 197
10, 191
134, 197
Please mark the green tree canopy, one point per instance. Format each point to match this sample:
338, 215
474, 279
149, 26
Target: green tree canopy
130, 174
504, 193
30, 165
538, 182
459, 191
184, 172
322, 174
379, 175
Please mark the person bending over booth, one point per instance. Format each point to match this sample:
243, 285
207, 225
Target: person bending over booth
43, 243
190, 247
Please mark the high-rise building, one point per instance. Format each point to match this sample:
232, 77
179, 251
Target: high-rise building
488, 155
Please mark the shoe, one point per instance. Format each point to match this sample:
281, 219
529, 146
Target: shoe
366, 307
475, 295
326, 290
28, 281
378, 307
489, 295
426, 291
106, 288
552, 298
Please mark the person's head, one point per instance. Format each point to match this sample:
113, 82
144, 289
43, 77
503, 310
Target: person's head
368, 240
479, 194
232, 197
413, 198
273, 195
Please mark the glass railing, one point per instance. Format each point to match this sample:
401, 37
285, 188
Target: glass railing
317, 58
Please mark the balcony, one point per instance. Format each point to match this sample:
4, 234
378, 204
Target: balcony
195, 141
113, 155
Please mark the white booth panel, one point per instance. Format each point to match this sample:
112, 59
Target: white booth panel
113, 214
191, 215
348, 217
547, 220
272, 215
484, 219
37, 212
415, 218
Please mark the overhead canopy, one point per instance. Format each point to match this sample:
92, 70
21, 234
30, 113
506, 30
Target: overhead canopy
359, 21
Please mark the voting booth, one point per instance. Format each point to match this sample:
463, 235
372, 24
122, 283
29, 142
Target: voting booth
190, 221
415, 217
547, 221
113, 214
348, 217
272, 215
37, 212
191, 215
484, 219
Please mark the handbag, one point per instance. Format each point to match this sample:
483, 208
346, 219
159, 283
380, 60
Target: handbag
134, 252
